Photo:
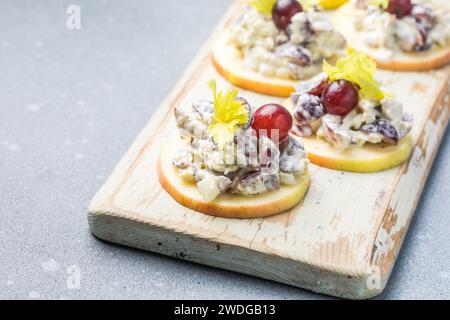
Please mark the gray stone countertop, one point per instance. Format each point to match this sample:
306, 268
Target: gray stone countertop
72, 101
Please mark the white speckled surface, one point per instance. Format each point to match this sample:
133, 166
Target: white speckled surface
71, 102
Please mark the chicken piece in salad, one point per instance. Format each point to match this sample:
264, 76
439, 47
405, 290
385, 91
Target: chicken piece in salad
408, 26
230, 148
283, 39
348, 108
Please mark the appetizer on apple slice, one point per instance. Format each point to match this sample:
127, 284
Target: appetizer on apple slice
229, 161
274, 44
348, 121
398, 34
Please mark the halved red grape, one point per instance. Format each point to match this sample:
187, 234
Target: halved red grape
385, 128
272, 117
283, 11
340, 97
318, 90
309, 109
421, 43
314, 86
295, 54
400, 8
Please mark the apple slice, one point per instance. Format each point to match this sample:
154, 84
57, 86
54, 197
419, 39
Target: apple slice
229, 64
225, 205
400, 61
369, 158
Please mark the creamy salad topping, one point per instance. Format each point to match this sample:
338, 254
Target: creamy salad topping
416, 26
292, 51
248, 164
346, 113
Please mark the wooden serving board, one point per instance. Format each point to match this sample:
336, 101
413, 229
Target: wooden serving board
342, 240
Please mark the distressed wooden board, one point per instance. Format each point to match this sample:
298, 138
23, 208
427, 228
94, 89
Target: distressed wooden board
342, 240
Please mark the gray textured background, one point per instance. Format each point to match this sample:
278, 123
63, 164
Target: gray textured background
71, 102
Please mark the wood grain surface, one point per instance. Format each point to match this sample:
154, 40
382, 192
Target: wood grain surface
342, 240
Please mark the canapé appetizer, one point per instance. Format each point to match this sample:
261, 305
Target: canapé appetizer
274, 44
231, 161
398, 34
348, 121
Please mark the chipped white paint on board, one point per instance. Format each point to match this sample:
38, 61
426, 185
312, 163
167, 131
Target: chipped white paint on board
341, 240
412, 181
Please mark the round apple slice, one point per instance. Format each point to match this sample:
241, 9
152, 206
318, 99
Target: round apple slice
369, 158
229, 64
399, 61
226, 205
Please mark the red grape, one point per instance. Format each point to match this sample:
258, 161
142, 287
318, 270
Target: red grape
318, 90
400, 8
283, 11
272, 117
340, 97
384, 127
